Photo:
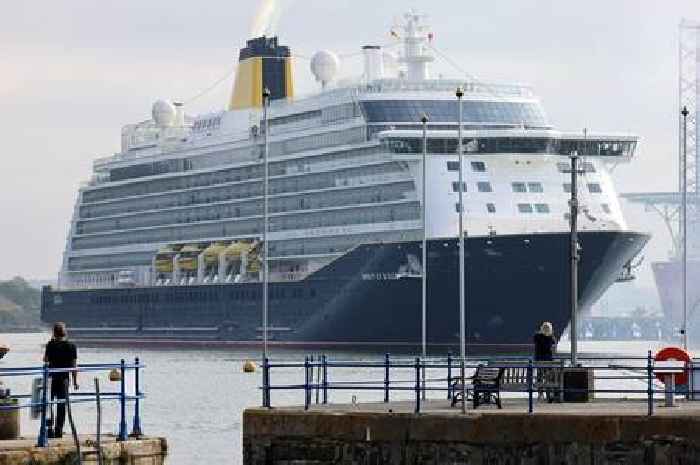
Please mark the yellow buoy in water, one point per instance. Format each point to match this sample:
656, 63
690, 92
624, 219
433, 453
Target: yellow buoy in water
249, 366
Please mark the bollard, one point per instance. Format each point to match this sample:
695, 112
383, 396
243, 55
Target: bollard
122, 403
266, 382
530, 407
136, 428
386, 378
449, 375
417, 366
307, 394
324, 361
650, 390
43, 439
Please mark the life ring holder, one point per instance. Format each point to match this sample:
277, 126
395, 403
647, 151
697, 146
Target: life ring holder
673, 354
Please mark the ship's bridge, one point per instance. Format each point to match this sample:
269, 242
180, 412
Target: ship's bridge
613, 147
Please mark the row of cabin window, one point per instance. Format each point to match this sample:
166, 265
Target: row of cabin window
521, 187
534, 208
563, 167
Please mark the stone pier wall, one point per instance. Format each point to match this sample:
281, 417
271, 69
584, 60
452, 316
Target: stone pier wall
146, 451
316, 438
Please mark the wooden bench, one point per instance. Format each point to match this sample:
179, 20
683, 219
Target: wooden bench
484, 387
547, 378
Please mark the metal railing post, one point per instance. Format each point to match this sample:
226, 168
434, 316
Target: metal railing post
386, 378
650, 390
417, 367
43, 439
530, 370
324, 362
136, 428
122, 403
449, 375
266, 382
307, 395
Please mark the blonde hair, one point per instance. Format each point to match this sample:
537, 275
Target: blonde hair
546, 328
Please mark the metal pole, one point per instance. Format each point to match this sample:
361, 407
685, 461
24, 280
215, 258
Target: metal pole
424, 280
574, 257
266, 103
684, 216
122, 402
462, 322
43, 436
136, 428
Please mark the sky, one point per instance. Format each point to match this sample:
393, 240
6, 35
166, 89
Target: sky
73, 72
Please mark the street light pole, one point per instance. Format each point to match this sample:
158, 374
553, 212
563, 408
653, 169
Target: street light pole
462, 323
684, 219
574, 256
424, 280
266, 103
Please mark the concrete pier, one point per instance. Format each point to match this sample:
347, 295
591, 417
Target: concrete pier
143, 451
600, 433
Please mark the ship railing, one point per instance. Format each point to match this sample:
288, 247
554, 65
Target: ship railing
39, 401
632, 379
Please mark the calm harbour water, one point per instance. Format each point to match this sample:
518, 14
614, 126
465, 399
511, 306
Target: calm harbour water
196, 397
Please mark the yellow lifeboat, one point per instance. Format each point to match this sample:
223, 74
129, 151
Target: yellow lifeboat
164, 259
211, 254
188, 257
236, 250
254, 262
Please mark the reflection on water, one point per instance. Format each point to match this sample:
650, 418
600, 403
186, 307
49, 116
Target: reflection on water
196, 397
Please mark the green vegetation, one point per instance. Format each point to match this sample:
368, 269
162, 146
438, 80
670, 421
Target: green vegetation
20, 305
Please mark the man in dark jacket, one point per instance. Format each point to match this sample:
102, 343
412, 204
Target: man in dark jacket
61, 353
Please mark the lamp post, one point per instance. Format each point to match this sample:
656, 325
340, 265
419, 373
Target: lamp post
424, 280
684, 219
462, 323
574, 255
266, 103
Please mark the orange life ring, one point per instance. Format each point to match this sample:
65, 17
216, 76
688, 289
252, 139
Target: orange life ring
677, 354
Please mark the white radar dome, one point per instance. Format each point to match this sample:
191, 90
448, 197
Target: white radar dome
164, 113
325, 66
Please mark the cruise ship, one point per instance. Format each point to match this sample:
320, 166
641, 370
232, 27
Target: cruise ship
165, 243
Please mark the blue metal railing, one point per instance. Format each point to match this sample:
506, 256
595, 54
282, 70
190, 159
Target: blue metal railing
641, 370
25, 401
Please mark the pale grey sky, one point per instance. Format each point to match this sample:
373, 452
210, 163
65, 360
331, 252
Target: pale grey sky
72, 72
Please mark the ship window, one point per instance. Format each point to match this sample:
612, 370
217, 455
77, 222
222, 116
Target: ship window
452, 166
594, 188
606, 208
567, 187
564, 167
491, 207
519, 187
588, 167
524, 208
455, 186
457, 207
479, 166
541, 208
535, 187
484, 186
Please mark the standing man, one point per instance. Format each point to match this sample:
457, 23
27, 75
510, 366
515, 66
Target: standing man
61, 353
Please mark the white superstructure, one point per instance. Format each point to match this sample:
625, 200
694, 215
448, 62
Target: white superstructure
345, 170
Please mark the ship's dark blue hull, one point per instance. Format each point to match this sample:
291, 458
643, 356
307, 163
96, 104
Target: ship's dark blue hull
369, 297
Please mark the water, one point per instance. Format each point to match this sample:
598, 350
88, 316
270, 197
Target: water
196, 397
